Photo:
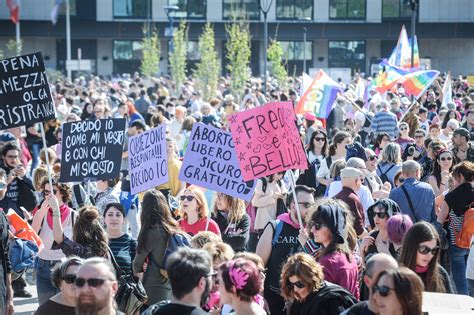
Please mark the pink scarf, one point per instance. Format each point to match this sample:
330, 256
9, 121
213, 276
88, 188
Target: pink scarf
63, 209
419, 269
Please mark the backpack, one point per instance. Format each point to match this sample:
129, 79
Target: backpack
174, 242
383, 175
331, 294
277, 227
463, 237
22, 254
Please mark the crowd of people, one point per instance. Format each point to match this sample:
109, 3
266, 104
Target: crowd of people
387, 193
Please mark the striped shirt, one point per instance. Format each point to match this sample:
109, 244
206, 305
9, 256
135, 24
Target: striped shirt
385, 122
123, 248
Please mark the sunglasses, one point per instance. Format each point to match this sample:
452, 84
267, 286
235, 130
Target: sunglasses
403, 129
425, 250
189, 198
318, 226
91, 282
69, 279
382, 290
47, 192
297, 284
448, 158
3, 185
373, 157
320, 139
306, 205
381, 215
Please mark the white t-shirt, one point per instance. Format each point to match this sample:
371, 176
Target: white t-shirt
470, 262
323, 171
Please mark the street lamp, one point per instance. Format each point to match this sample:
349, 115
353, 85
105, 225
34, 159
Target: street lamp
264, 6
170, 11
413, 6
304, 19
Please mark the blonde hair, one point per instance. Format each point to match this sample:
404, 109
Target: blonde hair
219, 251
391, 153
51, 156
235, 206
202, 207
38, 176
204, 237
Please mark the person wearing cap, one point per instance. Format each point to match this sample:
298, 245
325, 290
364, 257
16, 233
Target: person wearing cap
329, 227
385, 121
463, 149
351, 182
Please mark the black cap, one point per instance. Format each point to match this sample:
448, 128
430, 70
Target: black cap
463, 132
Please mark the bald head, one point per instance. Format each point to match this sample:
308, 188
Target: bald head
378, 263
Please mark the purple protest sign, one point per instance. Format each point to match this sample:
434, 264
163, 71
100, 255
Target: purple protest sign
211, 162
147, 160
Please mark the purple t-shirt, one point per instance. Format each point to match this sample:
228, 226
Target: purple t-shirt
338, 270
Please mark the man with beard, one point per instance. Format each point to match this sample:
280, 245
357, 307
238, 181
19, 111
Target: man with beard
189, 272
96, 286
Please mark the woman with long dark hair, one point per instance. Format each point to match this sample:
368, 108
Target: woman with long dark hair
317, 151
441, 171
337, 151
420, 253
157, 226
381, 141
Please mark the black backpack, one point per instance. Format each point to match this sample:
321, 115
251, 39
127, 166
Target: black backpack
331, 294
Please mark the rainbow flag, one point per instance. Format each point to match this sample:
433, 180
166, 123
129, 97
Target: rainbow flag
388, 77
416, 63
328, 98
401, 54
416, 83
311, 99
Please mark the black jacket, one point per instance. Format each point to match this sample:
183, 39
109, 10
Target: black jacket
238, 241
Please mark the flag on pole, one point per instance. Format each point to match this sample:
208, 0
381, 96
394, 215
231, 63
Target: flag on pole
388, 77
55, 11
416, 54
312, 97
329, 97
401, 55
14, 6
416, 83
305, 83
447, 91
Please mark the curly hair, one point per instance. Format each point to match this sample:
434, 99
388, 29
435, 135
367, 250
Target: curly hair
64, 188
219, 251
304, 267
88, 231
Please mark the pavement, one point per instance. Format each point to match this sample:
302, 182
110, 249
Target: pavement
26, 306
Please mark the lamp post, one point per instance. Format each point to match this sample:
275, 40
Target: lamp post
304, 19
413, 6
264, 6
170, 10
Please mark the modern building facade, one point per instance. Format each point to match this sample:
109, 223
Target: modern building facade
340, 33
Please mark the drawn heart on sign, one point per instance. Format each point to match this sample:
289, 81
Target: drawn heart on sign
257, 149
261, 139
267, 146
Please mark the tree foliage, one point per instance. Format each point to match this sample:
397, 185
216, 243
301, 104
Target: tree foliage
151, 53
208, 68
177, 56
238, 55
275, 56
14, 48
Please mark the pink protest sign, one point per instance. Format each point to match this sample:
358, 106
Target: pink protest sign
267, 141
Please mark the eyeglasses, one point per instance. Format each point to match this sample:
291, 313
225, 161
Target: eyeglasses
318, 226
69, 279
381, 215
91, 282
320, 139
373, 157
403, 129
382, 290
189, 198
425, 250
297, 284
306, 205
448, 158
47, 192
419, 136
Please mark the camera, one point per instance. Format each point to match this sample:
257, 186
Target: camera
411, 149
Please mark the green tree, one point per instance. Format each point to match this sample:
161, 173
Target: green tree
238, 55
275, 56
177, 56
151, 53
14, 48
208, 68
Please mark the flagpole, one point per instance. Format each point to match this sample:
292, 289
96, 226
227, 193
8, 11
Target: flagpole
68, 41
17, 31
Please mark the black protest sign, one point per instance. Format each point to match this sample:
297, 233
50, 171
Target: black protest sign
25, 97
92, 149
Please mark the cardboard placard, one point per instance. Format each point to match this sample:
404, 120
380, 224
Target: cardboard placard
267, 140
147, 160
92, 149
211, 162
25, 97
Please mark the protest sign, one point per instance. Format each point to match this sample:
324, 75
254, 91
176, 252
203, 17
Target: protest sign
147, 160
92, 149
211, 162
25, 97
267, 140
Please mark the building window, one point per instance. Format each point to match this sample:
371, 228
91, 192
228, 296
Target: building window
127, 50
396, 9
347, 54
131, 8
247, 9
296, 50
190, 9
193, 50
347, 9
294, 9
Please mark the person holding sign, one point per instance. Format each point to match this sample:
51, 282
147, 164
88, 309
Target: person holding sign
280, 240
174, 186
196, 213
